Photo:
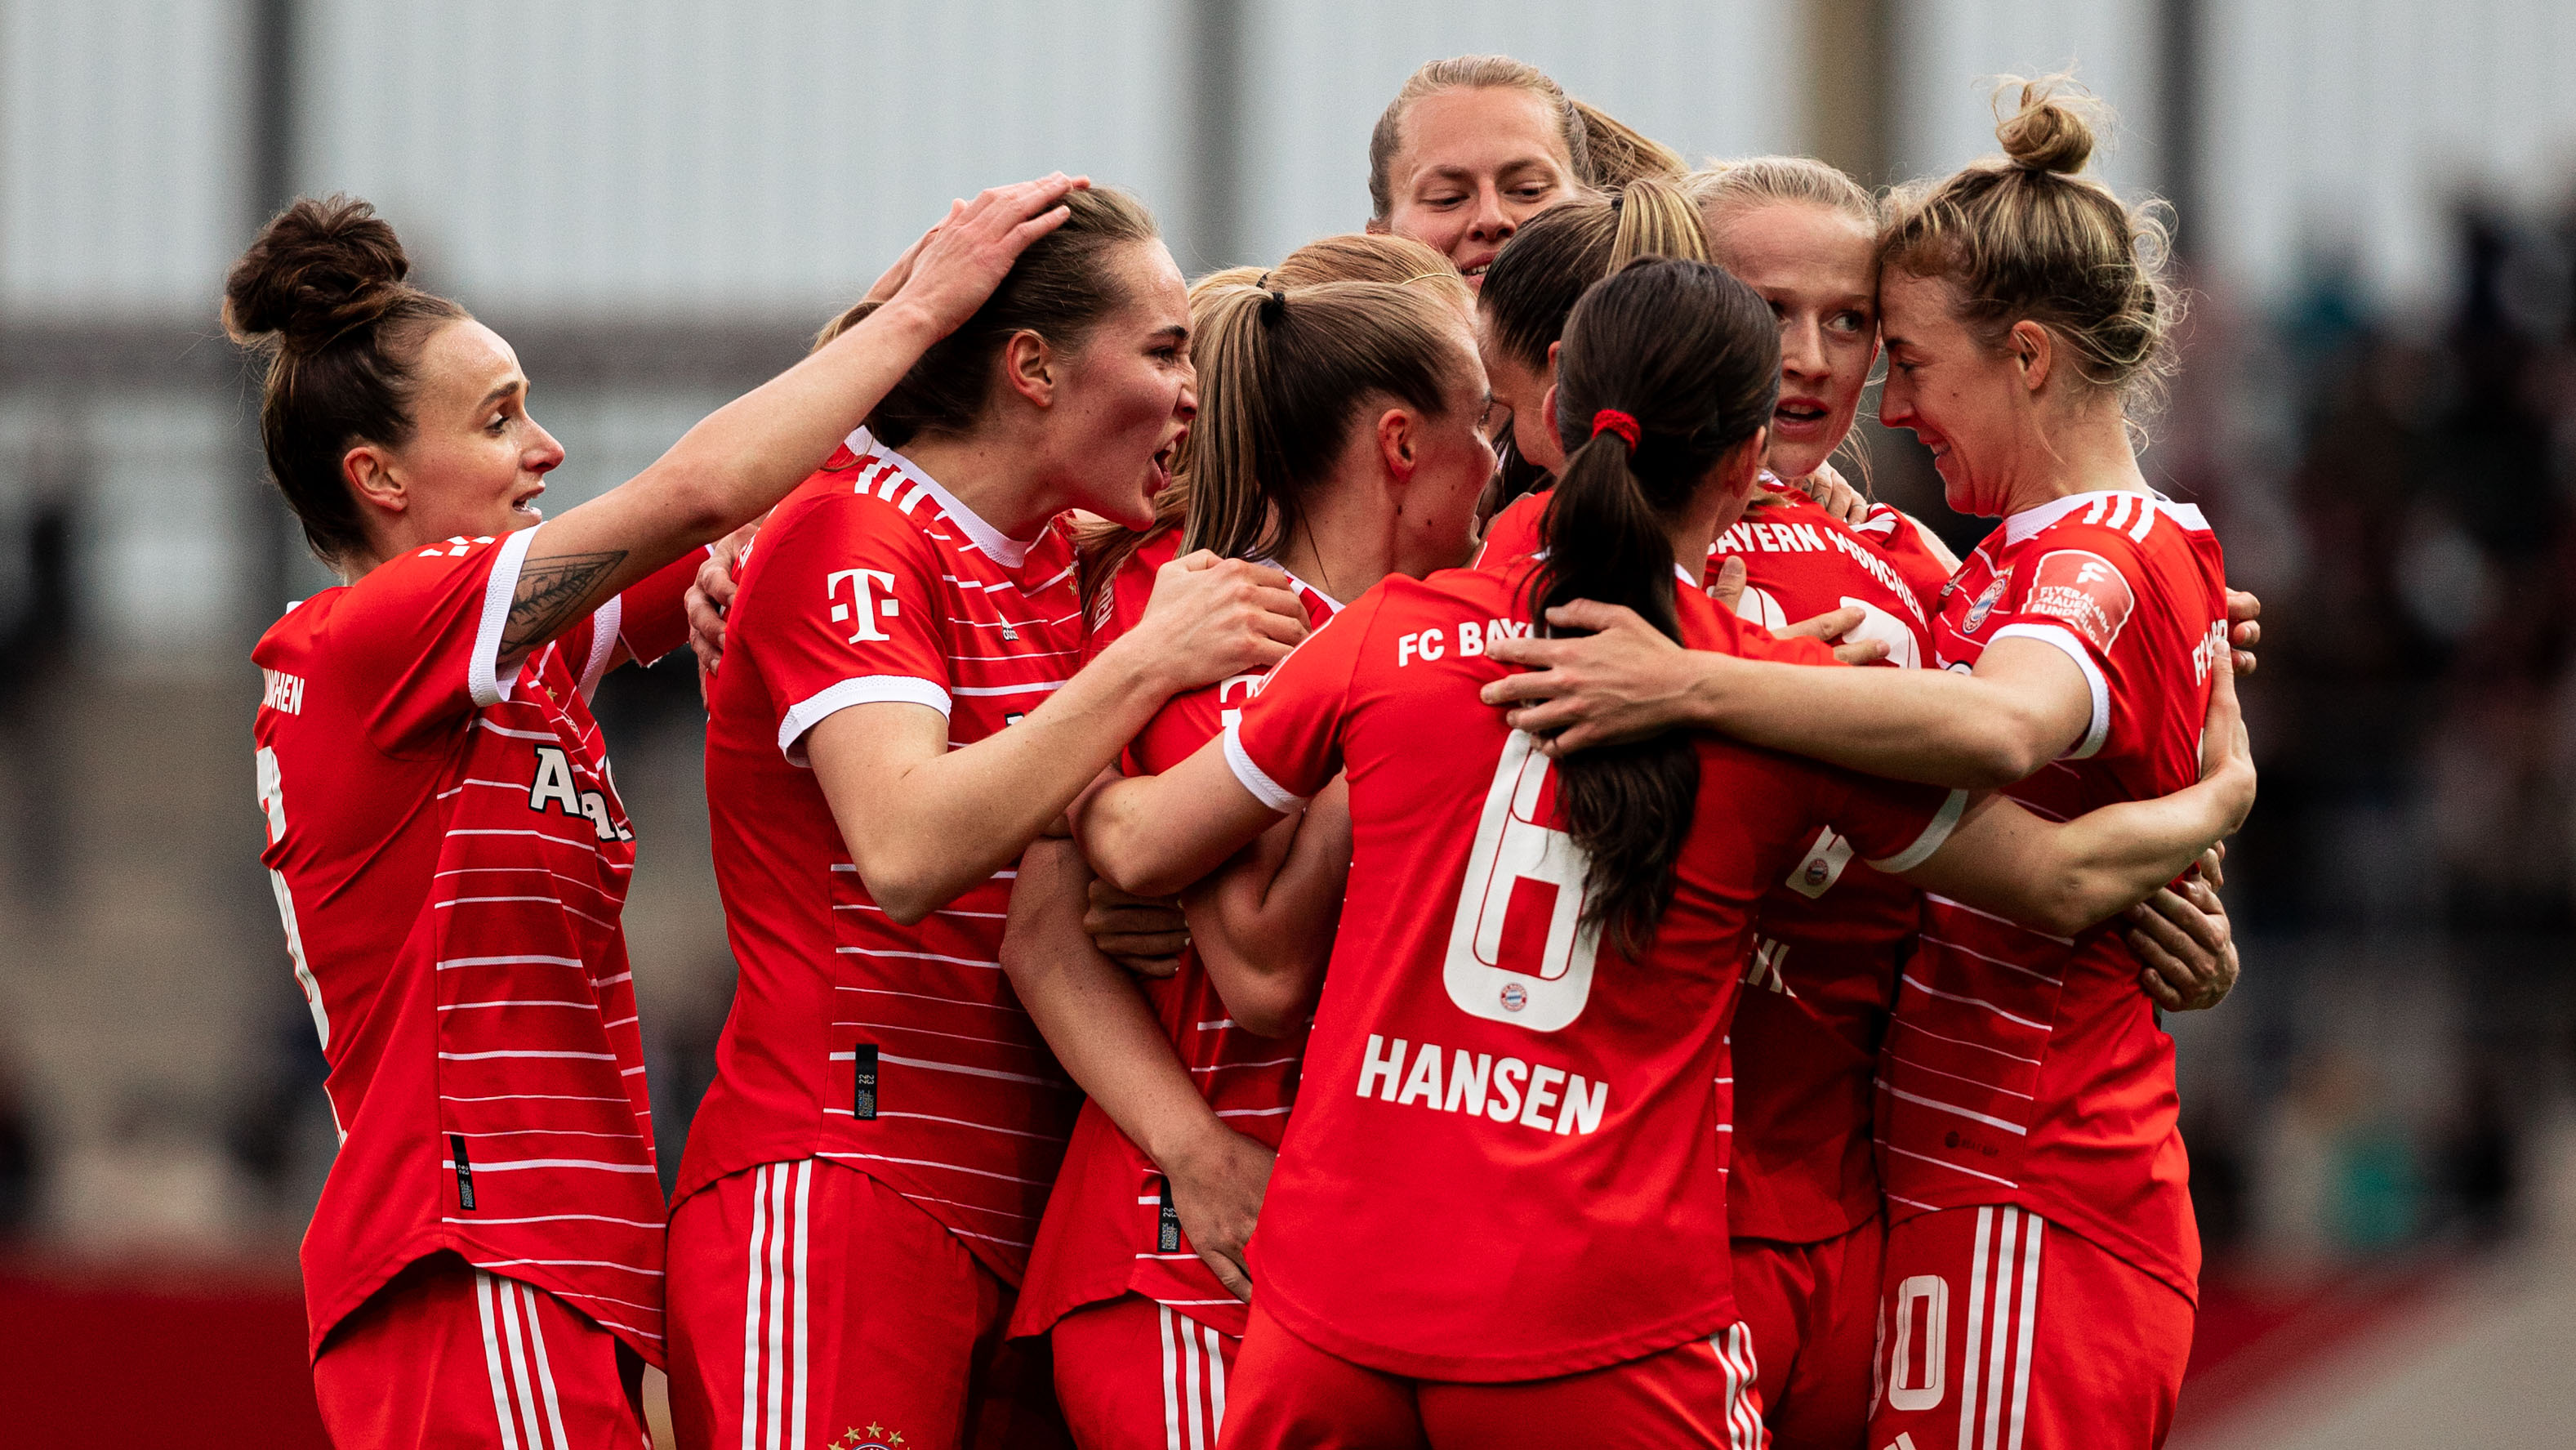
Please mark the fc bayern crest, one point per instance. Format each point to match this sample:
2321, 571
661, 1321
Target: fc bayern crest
1986, 603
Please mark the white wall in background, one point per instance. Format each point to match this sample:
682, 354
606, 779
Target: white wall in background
1951, 52
120, 164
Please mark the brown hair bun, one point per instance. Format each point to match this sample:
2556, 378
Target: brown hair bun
319, 269
2049, 130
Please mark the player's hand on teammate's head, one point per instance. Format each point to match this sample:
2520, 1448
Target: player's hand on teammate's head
966, 256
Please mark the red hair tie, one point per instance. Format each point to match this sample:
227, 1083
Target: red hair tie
1611, 420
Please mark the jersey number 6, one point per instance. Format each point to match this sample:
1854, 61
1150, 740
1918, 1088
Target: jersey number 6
1519, 861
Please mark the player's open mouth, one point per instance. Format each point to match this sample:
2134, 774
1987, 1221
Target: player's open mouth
1163, 458
526, 503
1474, 272
1799, 414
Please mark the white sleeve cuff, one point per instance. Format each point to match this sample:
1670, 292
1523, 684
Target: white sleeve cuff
805, 714
482, 670
603, 643
1943, 823
2064, 638
1253, 777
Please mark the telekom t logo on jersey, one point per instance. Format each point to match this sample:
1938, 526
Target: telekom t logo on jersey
865, 603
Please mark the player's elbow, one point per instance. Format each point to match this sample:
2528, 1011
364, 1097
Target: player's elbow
907, 889
2075, 901
2000, 749
1266, 1005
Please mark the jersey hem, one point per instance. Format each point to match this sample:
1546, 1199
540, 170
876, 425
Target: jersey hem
1907, 1210
320, 1323
1461, 1369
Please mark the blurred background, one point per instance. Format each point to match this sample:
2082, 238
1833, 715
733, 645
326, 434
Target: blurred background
657, 201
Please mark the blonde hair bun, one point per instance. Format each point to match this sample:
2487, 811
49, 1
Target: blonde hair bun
2049, 130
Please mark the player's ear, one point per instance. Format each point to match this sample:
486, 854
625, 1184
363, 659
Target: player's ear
370, 474
2032, 350
1028, 367
1396, 444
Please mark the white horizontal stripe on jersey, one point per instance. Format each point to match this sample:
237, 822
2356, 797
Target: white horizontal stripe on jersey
879, 910
570, 1264
1218, 1025
1252, 1112
958, 1068
590, 845
546, 735
1265, 1062
1032, 688
2064, 941
526, 1052
959, 1122
517, 1165
593, 887
602, 1299
1908, 1202
513, 1002
1969, 951
1943, 1163
1911, 1026
983, 1208
1963, 999
612, 981
928, 997
1022, 1045
914, 956
1961, 1077
1923, 1102
654, 1224
627, 1136
935, 1163
535, 1098
968, 1233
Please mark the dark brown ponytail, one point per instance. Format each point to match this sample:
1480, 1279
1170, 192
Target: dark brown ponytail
322, 294
1686, 358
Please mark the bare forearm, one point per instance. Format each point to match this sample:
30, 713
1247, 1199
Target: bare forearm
1934, 726
1264, 925
1092, 1012
2063, 877
930, 829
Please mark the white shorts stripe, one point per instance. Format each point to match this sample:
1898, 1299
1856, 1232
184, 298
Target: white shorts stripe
1216, 1382
545, 1370
1998, 1348
1976, 1332
751, 1310
796, 1401
1171, 1379
501, 1409
521, 1393
774, 1368
2029, 1326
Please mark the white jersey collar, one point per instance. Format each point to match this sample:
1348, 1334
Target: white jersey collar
1010, 553
2029, 521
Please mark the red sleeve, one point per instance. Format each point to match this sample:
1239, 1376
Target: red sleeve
1893, 825
843, 607
1899, 540
652, 616
1286, 744
1513, 533
2078, 593
420, 636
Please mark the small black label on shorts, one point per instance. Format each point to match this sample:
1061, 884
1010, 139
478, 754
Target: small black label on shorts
863, 1080
464, 1173
1167, 1236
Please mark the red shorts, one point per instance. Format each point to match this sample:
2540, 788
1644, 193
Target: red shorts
811, 1305
1289, 1393
448, 1356
2001, 1329
1132, 1374
1812, 1309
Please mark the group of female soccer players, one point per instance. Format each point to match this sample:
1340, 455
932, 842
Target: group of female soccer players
1171, 778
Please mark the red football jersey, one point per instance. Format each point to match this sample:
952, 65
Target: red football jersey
1831, 932
1899, 540
449, 859
2026, 1069
1523, 1129
1109, 1228
899, 1051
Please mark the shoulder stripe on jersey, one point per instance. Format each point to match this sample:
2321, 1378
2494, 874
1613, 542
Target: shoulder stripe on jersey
807, 713
483, 668
2099, 730
1934, 834
1253, 778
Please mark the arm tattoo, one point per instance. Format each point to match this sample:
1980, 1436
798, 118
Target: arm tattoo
553, 592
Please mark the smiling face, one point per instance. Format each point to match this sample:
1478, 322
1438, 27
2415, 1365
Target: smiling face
1476, 163
1967, 401
1818, 268
1124, 399
475, 461
1518, 389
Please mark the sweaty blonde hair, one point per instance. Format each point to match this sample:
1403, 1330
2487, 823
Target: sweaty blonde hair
2025, 238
